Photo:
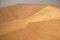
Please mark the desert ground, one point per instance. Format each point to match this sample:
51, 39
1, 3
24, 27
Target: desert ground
22, 22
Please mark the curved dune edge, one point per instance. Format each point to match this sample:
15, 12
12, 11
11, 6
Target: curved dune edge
47, 13
18, 12
12, 26
11, 17
46, 30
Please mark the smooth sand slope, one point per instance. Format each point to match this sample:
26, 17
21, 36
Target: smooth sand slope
47, 13
12, 18
42, 24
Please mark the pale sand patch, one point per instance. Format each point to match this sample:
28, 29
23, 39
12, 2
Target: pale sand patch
48, 13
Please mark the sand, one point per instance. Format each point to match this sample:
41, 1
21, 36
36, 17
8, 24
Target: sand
19, 22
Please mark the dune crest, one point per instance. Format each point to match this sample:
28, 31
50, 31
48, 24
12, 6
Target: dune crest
47, 13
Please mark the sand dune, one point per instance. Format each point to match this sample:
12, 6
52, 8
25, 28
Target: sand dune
30, 22
46, 30
11, 18
18, 12
47, 13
